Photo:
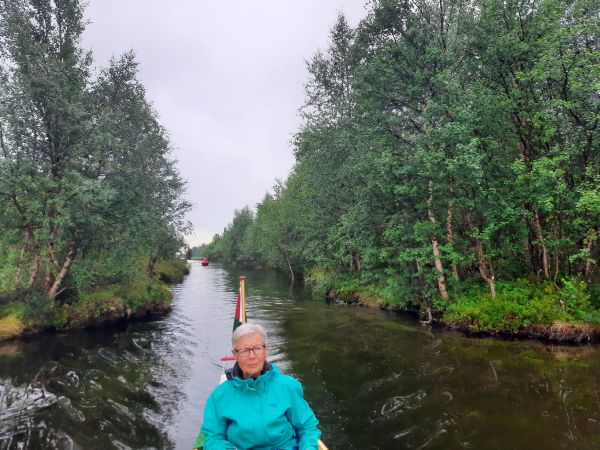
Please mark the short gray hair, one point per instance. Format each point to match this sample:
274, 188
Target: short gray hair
246, 330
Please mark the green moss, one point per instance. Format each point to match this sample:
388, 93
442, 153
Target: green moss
10, 321
344, 285
521, 304
353, 286
10, 309
172, 270
120, 301
109, 302
40, 312
95, 308
146, 295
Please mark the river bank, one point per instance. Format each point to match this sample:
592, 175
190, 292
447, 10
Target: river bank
373, 379
557, 333
105, 305
521, 310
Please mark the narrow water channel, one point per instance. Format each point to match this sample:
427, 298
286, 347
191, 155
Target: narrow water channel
375, 380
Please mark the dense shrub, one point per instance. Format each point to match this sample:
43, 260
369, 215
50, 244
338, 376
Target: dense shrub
172, 270
95, 308
521, 304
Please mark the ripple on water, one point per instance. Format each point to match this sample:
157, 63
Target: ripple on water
400, 404
433, 435
123, 410
141, 343
17, 403
119, 445
368, 388
18, 407
74, 413
112, 358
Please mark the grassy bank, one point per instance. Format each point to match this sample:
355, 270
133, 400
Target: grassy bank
172, 271
568, 311
119, 301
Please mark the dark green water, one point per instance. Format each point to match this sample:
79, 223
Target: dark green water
375, 380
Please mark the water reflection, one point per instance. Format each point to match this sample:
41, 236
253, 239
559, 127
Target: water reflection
375, 380
76, 392
391, 384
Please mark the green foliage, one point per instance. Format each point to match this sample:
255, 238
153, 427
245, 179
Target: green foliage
504, 313
142, 296
395, 292
521, 304
8, 270
91, 200
10, 321
232, 242
198, 252
574, 297
444, 146
214, 250
344, 284
37, 311
88, 183
594, 290
10, 309
106, 298
95, 308
172, 271
106, 268
353, 286
111, 303
35, 307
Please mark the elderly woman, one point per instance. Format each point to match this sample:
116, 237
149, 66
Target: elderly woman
258, 407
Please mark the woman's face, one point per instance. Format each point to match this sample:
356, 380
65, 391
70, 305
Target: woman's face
250, 353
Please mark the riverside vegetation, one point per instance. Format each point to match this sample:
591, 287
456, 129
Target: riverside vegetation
448, 162
91, 204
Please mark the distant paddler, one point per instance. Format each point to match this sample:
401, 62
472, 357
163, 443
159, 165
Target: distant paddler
204, 261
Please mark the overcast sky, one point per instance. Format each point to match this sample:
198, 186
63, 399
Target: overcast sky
227, 79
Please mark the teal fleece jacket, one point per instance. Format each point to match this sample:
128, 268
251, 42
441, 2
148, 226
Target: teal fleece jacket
268, 412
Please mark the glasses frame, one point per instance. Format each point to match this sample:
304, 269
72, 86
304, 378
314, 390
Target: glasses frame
245, 352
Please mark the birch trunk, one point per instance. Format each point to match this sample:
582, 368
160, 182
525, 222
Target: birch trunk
540, 236
436, 248
287, 258
63, 272
450, 233
52, 255
485, 272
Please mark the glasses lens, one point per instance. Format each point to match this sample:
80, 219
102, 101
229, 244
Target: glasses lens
246, 351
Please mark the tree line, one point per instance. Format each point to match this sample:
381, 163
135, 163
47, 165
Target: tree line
89, 194
444, 144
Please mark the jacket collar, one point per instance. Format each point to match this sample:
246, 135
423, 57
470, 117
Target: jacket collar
236, 371
234, 376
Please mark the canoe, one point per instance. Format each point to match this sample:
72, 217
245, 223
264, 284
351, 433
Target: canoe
240, 317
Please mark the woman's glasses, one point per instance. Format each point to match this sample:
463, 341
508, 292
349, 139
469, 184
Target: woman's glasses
245, 352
